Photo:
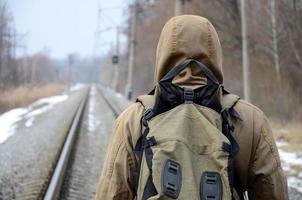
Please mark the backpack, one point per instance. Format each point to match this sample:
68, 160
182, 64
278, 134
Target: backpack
186, 149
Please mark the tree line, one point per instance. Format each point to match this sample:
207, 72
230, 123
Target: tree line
25, 70
274, 45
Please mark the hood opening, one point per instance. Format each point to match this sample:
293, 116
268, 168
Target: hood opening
188, 37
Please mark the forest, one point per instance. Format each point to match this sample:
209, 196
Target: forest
274, 32
274, 29
26, 77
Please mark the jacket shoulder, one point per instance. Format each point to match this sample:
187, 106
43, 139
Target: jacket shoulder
130, 110
129, 124
252, 120
246, 108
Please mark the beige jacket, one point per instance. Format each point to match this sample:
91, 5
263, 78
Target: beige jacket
257, 165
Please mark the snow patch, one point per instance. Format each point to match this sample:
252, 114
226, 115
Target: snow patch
281, 143
77, 86
119, 95
50, 100
92, 123
8, 122
42, 106
290, 161
295, 183
290, 158
29, 122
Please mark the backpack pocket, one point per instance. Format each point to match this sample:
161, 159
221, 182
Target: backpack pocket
193, 147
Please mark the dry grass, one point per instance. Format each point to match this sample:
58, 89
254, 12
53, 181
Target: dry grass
23, 96
290, 133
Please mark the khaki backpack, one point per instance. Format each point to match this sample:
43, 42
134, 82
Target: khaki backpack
186, 150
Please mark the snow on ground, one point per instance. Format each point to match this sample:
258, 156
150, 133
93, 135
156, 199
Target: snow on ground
42, 106
290, 158
9, 120
77, 86
281, 144
292, 165
30, 122
119, 95
295, 183
92, 122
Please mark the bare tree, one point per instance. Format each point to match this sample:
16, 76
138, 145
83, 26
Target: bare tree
8, 68
275, 37
292, 11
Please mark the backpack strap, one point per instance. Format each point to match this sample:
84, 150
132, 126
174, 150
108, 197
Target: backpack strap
147, 101
143, 144
228, 102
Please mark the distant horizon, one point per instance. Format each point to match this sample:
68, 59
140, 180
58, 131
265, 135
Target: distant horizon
62, 30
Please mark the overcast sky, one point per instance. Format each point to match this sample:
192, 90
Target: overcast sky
61, 27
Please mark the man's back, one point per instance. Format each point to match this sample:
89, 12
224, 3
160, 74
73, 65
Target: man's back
257, 165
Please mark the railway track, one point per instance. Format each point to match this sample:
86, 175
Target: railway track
80, 162
37, 165
28, 157
57, 178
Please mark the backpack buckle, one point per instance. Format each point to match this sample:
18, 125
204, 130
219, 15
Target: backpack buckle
151, 141
188, 95
211, 186
171, 179
148, 114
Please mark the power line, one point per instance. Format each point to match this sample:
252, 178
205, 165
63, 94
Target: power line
109, 19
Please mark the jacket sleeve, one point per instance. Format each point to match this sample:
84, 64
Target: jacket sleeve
267, 180
117, 179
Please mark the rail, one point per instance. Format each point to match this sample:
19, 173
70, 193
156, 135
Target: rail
115, 101
55, 184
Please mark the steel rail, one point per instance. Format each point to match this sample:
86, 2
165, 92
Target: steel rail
57, 178
115, 109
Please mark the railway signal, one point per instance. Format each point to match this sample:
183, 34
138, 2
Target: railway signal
115, 59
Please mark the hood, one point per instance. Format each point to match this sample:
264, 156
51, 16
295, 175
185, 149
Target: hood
188, 37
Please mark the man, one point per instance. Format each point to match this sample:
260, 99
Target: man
257, 165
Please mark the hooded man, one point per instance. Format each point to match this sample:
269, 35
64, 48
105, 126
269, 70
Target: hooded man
257, 165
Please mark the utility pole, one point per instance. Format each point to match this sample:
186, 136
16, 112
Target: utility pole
245, 55
275, 38
131, 50
70, 63
116, 62
179, 7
